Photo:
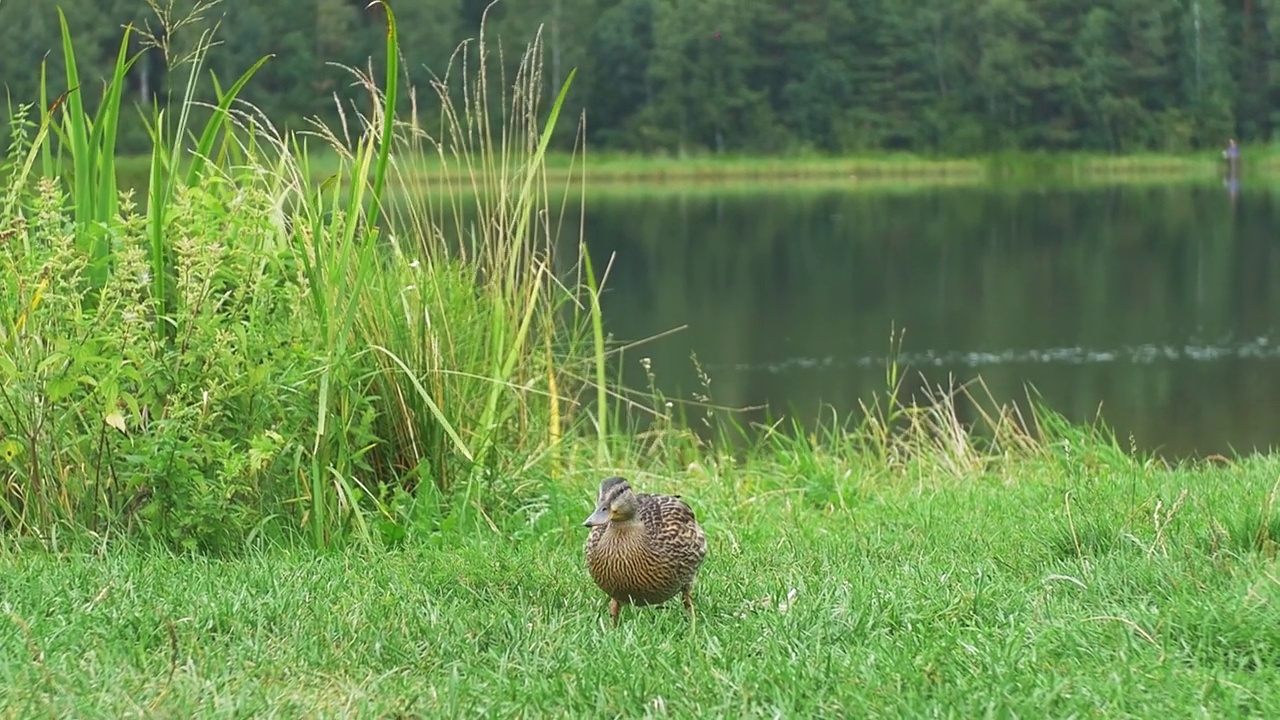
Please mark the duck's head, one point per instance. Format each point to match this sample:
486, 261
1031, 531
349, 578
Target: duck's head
616, 503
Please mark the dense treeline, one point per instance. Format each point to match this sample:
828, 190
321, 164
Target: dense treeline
757, 76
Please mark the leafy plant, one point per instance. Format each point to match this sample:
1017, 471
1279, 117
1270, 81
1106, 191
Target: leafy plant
258, 351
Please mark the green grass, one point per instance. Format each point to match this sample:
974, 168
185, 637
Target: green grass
635, 169
605, 171
1047, 588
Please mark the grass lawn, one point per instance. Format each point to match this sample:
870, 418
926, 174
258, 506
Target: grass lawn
1050, 587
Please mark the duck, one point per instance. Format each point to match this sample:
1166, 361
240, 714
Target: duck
643, 549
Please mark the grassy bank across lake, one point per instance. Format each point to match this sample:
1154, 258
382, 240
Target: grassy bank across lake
607, 169
1079, 582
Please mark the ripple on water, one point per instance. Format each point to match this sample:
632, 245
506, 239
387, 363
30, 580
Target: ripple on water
1259, 348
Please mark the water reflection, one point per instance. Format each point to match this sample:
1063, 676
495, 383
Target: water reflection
1158, 304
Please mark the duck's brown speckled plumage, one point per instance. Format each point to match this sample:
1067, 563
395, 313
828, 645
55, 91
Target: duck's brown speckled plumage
648, 551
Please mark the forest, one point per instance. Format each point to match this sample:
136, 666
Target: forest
748, 77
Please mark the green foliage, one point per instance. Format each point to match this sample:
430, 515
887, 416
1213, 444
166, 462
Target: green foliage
92, 145
257, 352
955, 77
105, 425
457, 312
135, 395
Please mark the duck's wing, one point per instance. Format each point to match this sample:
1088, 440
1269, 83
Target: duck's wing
672, 525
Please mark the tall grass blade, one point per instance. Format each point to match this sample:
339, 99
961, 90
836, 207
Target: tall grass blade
78, 133
597, 335
102, 142
217, 121
389, 95
46, 153
518, 348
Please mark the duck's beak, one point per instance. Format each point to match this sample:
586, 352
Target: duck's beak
599, 517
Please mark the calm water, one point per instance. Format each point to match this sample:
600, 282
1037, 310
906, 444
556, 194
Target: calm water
1157, 307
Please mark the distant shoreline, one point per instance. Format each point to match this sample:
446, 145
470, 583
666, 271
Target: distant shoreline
615, 168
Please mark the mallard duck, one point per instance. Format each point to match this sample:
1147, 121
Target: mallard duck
642, 549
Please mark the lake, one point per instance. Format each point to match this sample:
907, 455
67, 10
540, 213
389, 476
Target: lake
1153, 306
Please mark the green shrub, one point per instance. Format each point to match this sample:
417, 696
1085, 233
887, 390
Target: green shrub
261, 351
